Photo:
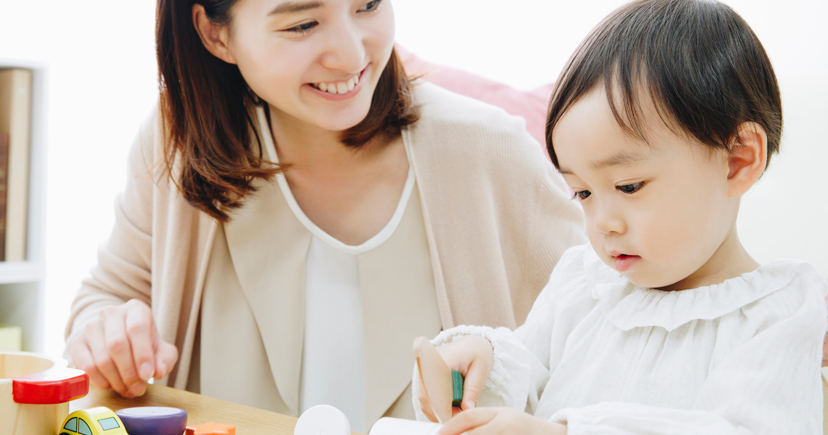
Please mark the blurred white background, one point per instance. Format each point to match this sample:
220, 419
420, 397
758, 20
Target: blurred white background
103, 83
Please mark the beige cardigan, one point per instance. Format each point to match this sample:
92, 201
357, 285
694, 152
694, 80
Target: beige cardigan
497, 219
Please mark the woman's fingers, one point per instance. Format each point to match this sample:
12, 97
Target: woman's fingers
165, 357
121, 349
95, 337
141, 335
82, 358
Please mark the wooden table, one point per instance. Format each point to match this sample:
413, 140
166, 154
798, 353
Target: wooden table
200, 409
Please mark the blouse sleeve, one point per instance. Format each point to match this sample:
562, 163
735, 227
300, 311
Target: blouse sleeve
523, 359
770, 384
123, 271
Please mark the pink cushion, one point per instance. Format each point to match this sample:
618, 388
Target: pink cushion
531, 105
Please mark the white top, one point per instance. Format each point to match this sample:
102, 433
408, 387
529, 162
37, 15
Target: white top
333, 311
605, 356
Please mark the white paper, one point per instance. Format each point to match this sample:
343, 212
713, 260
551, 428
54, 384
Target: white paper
396, 426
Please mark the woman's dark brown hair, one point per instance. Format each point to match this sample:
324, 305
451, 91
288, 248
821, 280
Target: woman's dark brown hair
698, 60
205, 112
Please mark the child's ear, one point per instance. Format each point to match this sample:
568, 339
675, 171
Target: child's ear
747, 157
213, 36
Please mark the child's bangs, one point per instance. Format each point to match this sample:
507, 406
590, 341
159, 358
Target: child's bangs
696, 63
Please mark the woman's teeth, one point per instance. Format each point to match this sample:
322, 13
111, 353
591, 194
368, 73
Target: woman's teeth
338, 88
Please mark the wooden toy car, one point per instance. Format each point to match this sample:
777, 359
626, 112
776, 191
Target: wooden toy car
93, 421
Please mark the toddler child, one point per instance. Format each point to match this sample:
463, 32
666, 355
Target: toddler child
663, 118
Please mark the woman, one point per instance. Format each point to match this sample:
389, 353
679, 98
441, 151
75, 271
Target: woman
296, 190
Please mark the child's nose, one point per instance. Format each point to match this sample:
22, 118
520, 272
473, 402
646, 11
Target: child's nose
607, 221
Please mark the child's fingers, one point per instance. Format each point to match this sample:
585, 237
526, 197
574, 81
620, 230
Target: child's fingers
468, 420
425, 405
473, 384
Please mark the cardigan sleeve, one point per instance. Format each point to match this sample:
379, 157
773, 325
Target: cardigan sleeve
123, 271
556, 224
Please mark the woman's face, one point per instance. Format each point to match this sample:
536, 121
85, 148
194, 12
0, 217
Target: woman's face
317, 62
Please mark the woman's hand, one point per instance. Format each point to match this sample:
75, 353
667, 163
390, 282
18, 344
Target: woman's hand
121, 349
472, 357
499, 421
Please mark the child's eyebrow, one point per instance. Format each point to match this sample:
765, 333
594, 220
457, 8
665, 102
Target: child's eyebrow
620, 159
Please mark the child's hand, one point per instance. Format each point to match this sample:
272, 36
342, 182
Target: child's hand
499, 421
472, 357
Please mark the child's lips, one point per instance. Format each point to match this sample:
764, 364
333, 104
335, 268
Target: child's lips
624, 262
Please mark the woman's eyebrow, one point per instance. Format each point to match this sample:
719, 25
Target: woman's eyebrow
291, 7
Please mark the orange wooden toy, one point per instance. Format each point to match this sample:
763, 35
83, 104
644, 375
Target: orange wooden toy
211, 429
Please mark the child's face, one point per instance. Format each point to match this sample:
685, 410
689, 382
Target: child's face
658, 212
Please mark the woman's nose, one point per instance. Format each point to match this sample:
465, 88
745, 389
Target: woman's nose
608, 220
346, 49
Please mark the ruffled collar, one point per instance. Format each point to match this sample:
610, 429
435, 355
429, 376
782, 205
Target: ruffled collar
628, 306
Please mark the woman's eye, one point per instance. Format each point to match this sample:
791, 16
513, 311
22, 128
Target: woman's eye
370, 6
303, 28
581, 195
631, 188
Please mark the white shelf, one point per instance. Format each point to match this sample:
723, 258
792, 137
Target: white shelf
19, 272
22, 284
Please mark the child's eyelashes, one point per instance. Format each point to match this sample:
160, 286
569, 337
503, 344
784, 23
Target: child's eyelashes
630, 188
581, 195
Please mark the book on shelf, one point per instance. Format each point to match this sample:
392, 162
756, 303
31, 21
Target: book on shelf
4, 166
15, 121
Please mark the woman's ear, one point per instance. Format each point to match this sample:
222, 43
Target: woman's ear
747, 157
213, 36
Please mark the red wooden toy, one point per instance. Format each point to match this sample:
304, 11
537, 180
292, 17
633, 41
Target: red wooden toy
35, 391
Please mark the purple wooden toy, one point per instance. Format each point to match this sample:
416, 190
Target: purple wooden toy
153, 420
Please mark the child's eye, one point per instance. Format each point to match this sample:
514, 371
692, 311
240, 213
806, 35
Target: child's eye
370, 6
302, 28
631, 188
581, 195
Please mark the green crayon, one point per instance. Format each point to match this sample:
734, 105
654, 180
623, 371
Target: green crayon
457, 388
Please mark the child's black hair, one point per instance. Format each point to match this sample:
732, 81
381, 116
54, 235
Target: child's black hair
698, 60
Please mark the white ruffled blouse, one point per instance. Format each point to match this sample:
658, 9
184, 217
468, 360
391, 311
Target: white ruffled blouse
607, 357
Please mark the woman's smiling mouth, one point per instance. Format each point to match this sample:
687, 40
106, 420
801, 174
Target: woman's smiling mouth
338, 87
341, 90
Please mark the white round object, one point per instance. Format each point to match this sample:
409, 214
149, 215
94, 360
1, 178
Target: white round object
322, 420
